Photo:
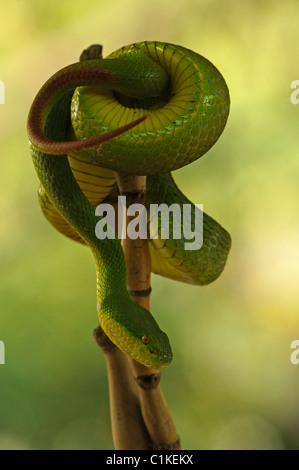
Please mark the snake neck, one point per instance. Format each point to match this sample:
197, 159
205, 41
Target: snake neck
111, 269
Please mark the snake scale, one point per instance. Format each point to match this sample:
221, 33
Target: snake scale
147, 109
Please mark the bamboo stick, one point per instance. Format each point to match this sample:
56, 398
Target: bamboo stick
128, 429
156, 414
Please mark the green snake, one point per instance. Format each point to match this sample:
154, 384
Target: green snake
147, 109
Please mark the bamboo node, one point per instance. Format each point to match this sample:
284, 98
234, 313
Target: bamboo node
140, 292
134, 197
176, 445
92, 52
148, 381
102, 340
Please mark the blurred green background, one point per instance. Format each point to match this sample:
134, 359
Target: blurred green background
231, 384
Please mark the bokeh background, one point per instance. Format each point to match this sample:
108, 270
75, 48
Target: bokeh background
231, 384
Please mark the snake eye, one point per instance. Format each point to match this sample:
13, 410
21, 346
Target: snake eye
145, 339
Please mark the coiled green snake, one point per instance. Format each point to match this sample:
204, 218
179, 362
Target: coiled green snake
147, 109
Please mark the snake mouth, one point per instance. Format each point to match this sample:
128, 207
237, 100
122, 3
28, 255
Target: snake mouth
156, 361
161, 360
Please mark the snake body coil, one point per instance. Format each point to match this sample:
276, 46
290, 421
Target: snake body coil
147, 109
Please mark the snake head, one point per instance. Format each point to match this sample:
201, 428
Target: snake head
134, 331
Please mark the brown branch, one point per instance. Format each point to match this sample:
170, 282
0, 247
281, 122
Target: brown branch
128, 430
154, 409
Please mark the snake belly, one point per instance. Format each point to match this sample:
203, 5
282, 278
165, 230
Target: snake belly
186, 118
